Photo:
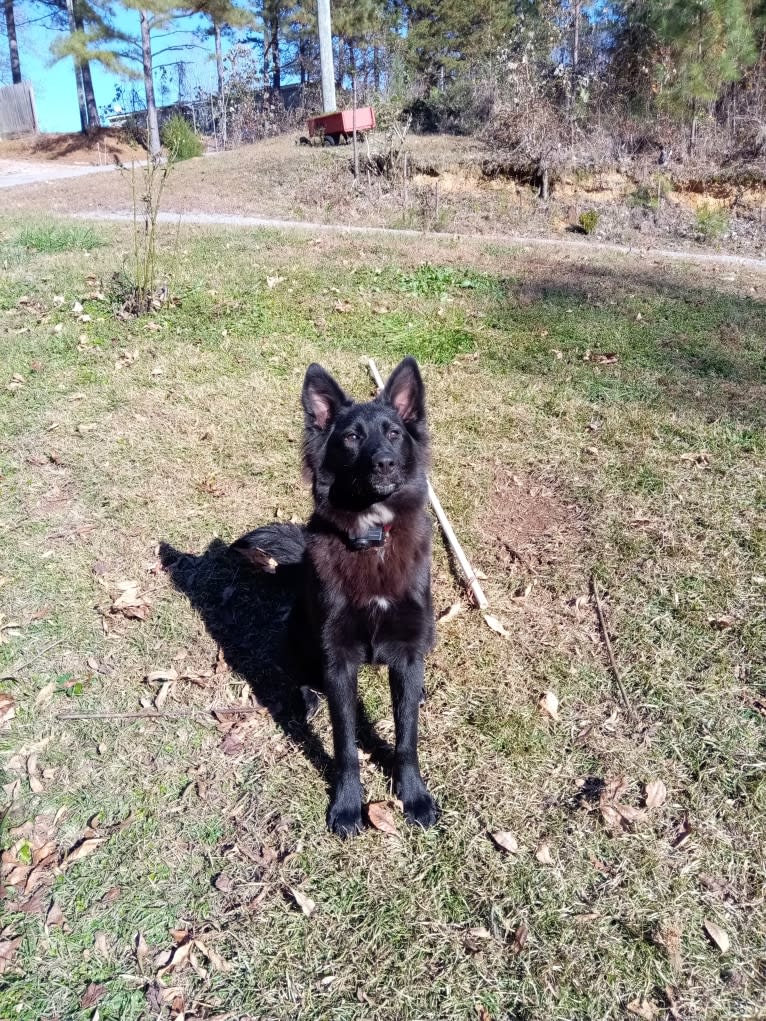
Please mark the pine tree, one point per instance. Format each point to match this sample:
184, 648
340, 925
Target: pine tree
89, 38
704, 46
13, 43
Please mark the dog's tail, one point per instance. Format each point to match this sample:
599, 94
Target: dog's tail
273, 546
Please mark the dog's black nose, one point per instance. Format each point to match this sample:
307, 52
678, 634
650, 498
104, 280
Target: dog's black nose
384, 465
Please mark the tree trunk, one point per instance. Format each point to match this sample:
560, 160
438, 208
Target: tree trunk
302, 60
376, 68
13, 45
221, 83
78, 72
276, 64
94, 121
152, 124
340, 69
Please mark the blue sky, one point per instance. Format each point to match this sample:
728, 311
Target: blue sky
54, 85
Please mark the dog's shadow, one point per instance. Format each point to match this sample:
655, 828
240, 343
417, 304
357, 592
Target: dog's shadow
253, 618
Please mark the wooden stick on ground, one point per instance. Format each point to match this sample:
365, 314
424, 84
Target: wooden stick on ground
469, 575
608, 644
11, 675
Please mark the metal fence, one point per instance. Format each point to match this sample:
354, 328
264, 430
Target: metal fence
17, 110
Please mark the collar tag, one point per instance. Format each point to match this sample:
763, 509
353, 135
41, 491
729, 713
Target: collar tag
372, 538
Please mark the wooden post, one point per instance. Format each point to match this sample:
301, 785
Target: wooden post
436, 200
353, 126
405, 180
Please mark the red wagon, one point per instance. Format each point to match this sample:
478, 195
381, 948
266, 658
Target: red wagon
338, 127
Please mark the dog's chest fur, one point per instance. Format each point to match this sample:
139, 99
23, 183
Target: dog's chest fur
378, 576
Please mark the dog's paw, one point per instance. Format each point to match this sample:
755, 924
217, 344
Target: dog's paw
421, 810
345, 815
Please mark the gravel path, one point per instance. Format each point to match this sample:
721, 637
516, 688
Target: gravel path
580, 245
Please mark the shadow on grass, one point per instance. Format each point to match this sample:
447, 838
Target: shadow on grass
696, 346
255, 619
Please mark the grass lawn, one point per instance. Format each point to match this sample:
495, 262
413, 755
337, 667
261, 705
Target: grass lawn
588, 418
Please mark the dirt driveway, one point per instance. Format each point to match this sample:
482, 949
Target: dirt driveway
14, 173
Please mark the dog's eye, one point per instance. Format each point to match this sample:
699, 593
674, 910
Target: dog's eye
351, 438
394, 434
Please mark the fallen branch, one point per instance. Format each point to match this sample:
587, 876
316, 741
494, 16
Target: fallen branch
608, 644
469, 575
11, 675
153, 714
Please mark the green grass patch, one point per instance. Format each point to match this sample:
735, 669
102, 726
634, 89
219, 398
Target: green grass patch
59, 237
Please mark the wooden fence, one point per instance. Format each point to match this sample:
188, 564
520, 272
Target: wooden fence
17, 110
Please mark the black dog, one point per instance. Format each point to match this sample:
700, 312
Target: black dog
366, 553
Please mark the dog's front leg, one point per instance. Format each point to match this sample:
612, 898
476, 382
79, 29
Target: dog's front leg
406, 680
345, 814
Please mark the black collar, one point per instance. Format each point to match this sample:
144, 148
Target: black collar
373, 538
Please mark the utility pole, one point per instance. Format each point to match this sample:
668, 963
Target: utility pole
325, 56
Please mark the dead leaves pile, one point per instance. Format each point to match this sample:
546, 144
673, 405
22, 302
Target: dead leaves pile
191, 950
130, 602
615, 814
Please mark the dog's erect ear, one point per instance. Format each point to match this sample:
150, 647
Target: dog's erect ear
322, 397
406, 392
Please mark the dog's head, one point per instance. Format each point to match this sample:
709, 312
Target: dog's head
361, 454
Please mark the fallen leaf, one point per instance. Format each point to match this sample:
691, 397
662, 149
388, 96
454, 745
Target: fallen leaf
82, 850
168, 674
685, 830
495, 625
101, 944
700, 457
505, 840
272, 282
655, 794
112, 895
33, 905
306, 904
92, 995
520, 939
45, 694
723, 622
609, 358
35, 784
77, 308
8, 948
7, 708
217, 962
55, 916
381, 817
643, 1008
482, 1013
718, 935
130, 603
126, 358
162, 694
170, 960
343, 306
549, 703
543, 853
480, 933
450, 613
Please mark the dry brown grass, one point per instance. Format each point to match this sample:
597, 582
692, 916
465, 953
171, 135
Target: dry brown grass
278, 178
